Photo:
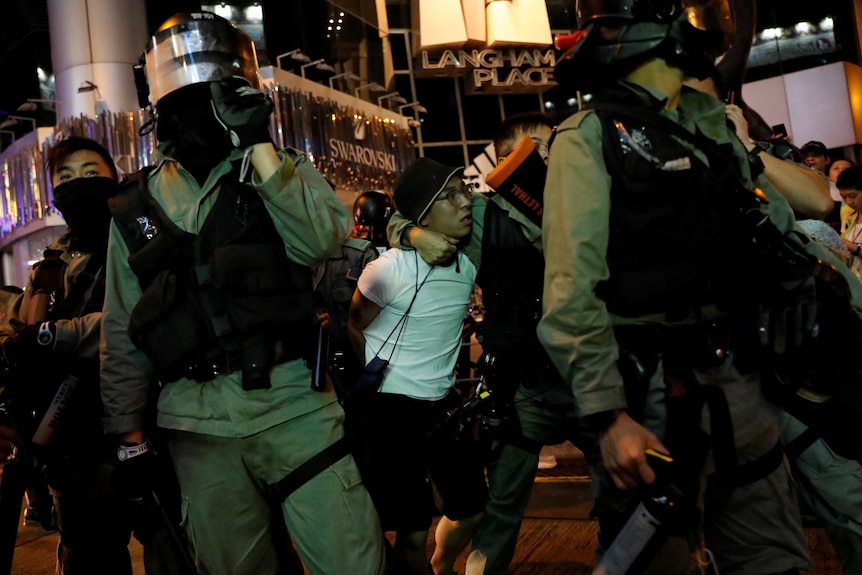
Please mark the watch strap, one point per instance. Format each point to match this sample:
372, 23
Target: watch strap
126, 451
754, 161
601, 420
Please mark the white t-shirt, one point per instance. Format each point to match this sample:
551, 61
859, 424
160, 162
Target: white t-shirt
423, 363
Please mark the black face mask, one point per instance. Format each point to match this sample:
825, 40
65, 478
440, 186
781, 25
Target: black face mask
84, 205
186, 118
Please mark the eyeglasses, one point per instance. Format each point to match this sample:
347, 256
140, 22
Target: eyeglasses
453, 194
541, 146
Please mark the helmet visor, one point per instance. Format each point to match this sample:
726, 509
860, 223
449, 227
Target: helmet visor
193, 51
709, 15
587, 10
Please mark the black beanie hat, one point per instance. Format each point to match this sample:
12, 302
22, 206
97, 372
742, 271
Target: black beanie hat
419, 186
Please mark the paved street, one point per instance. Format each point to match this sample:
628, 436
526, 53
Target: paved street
557, 537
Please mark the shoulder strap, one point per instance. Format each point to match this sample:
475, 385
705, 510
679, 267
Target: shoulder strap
130, 208
719, 161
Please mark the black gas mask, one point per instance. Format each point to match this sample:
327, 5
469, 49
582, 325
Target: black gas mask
84, 205
186, 119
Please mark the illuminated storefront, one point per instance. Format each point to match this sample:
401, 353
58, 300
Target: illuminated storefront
365, 86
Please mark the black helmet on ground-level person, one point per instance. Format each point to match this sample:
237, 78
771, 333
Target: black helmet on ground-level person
371, 212
618, 35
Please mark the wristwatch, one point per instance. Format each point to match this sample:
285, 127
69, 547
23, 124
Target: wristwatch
754, 161
45, 335
126, 452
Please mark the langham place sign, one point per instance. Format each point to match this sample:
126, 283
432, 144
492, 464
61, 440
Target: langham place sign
495, 71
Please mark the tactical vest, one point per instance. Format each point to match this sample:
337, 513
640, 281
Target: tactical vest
511, 278
336, 281
228, 298
675, 241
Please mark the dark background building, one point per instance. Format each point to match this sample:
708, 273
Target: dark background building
346, 34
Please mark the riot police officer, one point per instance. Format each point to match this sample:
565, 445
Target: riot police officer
210, 293
653, 282
51, 338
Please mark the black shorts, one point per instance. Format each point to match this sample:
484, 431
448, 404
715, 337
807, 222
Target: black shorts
404, 453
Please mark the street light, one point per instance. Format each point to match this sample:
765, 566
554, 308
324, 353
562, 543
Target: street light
346, 75
87, 86
31, 104
394, 96
373, 86
101, 105
415, 105
294, 55
15, 120
319, 64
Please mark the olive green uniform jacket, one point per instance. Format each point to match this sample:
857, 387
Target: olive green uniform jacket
576, 327
311, 221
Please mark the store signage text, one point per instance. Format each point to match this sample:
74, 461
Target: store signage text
493, 70
361, 155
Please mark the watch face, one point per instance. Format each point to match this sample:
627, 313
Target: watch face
44, 335
121, 454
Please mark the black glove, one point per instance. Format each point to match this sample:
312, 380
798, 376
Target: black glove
242, 111
30, 342
136, 477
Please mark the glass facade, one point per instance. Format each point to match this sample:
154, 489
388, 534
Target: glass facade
791, 37
350, 46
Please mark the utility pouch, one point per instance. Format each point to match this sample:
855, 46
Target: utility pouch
159, 253
372, 375
168, 327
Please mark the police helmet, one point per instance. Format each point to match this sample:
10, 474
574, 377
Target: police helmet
193, 48
371, 212
372, 208
617, 35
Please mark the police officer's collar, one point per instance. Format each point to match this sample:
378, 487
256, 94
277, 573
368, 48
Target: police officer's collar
653, 98
164, 151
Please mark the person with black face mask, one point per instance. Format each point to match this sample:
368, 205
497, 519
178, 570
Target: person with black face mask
210, 294
49, 340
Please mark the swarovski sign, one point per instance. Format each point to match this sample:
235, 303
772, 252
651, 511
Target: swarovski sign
341, 150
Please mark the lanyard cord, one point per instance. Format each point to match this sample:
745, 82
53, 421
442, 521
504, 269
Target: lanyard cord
402, 322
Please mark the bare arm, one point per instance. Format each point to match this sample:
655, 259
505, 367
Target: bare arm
362, 312
803, 188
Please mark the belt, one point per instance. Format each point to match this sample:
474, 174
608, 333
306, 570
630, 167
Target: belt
222, 364
698, 346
